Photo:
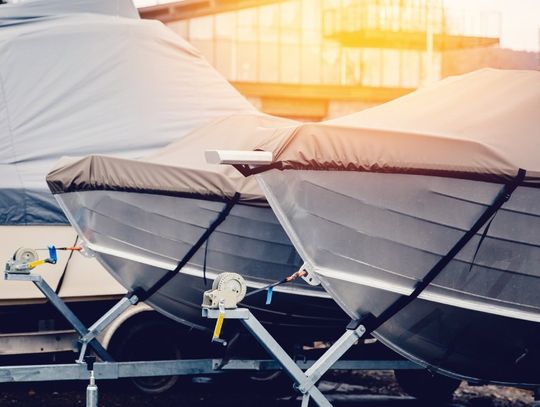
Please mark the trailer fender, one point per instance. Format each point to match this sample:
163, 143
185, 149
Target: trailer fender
106, 336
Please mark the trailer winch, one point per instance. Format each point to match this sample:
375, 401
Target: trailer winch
26, 259
228, 289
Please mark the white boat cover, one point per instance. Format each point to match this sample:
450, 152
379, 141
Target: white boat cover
13, 13
89, 77
483, 125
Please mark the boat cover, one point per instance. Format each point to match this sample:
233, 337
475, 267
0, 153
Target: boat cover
81, 77
485, 124
179, 169
20, 12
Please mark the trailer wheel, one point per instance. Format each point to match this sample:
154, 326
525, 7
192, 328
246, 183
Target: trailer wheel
148, 339
425, 385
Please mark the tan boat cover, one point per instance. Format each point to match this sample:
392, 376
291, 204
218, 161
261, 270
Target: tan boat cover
178, 169
483, 125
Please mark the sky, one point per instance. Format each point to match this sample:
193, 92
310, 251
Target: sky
520, 19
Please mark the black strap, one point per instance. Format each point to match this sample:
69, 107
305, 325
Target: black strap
484, 234
371, 323
204, 262
145, 294
247, 171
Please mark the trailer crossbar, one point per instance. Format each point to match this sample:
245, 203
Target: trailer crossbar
185, 367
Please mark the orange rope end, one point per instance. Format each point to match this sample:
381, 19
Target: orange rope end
294, 276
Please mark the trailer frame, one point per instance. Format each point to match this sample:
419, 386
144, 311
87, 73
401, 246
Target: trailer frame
86, 368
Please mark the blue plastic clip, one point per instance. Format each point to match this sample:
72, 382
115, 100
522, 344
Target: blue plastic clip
53, 256
269, 292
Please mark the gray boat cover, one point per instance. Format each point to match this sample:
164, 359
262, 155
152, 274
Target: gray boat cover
481, 125
80, 77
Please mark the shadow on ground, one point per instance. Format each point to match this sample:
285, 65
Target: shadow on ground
364, 389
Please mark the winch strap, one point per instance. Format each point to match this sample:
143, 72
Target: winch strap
371, 323
289, 279
145, 294
266, 287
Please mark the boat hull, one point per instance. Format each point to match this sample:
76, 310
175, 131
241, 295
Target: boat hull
371, 237
139, 238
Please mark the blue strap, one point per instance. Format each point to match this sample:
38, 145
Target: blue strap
269, 292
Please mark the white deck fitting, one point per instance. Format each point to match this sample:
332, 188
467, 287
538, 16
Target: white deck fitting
238, 157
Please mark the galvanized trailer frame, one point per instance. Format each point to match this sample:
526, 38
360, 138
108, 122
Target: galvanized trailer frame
85, 367
183, 367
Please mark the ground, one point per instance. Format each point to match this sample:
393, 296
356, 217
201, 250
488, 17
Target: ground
358, 389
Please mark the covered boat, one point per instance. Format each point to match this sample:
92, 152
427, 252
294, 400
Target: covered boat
80, 77
154, 224
421, 217
165, 224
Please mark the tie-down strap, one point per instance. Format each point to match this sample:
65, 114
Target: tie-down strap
371, 323
145, 294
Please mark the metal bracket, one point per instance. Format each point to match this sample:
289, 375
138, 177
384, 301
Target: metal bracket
103, 322
305, 381
22, 277
332, 355
310, 278
107, 318
87, 337
238, 313
61, 306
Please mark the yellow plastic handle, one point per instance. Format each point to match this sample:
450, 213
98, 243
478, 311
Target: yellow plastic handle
219, 325
36, 263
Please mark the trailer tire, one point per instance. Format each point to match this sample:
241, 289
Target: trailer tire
142, 339
425, 385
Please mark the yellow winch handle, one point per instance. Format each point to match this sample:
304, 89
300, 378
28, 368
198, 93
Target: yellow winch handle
36, 263
219, 325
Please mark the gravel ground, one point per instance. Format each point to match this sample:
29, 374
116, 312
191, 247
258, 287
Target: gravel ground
358, 389
383, 383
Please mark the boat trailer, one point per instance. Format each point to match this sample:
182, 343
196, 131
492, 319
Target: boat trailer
219, 303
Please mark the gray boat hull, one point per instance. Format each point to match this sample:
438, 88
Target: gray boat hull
371, 237
139, 238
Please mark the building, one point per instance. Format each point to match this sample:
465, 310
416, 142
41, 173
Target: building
313, 59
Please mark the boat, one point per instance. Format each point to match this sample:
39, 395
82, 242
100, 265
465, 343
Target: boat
142, 217
80, 77
165, 226
421, 218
